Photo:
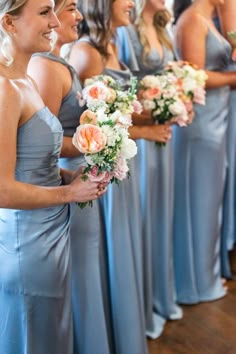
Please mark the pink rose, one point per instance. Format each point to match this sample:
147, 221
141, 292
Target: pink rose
89, 139
138, 108
121, 169
88, 117
199, 95
95, 176
80, 99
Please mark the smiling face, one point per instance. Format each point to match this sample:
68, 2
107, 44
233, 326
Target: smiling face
121, 12
69, 18
31, 30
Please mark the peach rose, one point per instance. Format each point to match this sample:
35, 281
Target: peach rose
88, 117
151, 93
89, 139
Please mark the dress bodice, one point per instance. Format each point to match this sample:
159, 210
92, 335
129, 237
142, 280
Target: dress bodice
131, 51
38, 147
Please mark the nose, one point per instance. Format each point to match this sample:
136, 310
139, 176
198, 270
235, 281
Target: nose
131, 4
79, 16
54, 22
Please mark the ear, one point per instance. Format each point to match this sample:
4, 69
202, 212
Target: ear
8, 23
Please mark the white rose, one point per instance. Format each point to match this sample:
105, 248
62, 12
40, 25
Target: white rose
128, 149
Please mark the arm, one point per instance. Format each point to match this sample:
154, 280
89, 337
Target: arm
19, 195
54, 82
227, 18
156, 132
190, 28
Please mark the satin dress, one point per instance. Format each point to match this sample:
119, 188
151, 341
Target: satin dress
120, 208
35, 272
228, 235
156, 168
200, 170
229, 206
90, 328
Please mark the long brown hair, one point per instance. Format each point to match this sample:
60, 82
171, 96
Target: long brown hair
96, 23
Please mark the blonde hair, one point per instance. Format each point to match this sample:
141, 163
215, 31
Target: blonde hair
13, 8
59, 6
160, 20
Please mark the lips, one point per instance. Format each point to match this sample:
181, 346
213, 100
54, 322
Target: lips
48, 35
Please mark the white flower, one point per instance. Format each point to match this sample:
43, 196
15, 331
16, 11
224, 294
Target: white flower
128, 148
177, 108
111, 134
148, 105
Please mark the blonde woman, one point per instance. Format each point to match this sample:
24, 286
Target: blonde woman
59, 85
35, 282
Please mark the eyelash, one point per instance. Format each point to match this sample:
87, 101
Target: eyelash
44, 12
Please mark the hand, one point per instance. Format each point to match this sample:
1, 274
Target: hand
86, 190
160, 133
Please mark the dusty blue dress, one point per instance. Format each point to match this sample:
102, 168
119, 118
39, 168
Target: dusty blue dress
229, 206
120, 208
200, 168
35, 296
90, 332
157, 193
228, 234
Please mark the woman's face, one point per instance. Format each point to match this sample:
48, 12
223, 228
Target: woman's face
121, 12
32, 29
69, 18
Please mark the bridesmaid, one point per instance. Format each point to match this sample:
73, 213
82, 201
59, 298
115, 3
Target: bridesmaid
152, 48
227, 20
35, 296
58, 85
200, 159
121, 209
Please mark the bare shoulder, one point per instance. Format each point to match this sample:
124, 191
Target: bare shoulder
42, 66
86, 60
191, 25
190, 20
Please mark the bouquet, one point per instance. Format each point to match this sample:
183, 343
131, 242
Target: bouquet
190, 81
170, 95
103, 134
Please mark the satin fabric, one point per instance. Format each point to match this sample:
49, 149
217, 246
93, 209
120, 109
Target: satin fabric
200, 169
35, 296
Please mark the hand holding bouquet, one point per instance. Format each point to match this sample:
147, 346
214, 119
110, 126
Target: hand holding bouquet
103, 131
190, 81
170, 95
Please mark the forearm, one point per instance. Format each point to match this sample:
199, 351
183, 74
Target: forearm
139, 132
220, 79
18, 195
142, 119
